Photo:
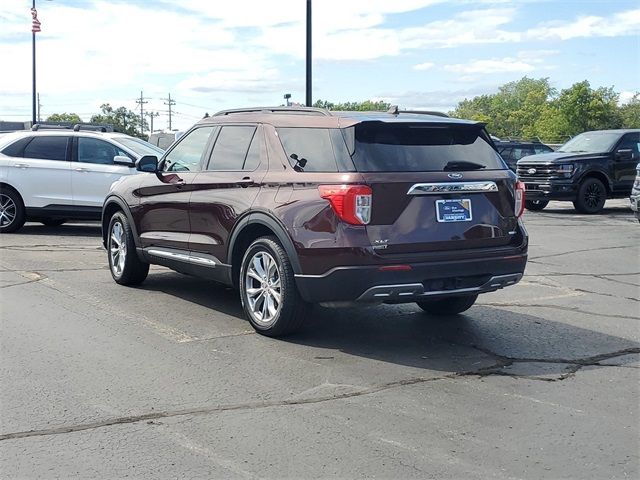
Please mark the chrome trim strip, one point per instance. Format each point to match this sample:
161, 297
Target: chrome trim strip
452, 187
416, 290
182, 257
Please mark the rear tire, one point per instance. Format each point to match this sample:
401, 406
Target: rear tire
449, 305
12, 212
591, 196
53, 222
536, 205
268, 291
124, 264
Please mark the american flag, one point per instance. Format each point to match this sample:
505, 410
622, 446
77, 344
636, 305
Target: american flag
35, 23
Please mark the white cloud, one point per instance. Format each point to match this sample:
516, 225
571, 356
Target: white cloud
526, 61
424, 66
618, 24
626, 96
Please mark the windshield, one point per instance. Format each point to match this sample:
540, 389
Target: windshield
384, 147
590, 142
140, 147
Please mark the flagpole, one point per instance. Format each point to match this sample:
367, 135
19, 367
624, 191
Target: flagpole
33, 43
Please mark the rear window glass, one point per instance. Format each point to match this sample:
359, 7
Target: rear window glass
384, 147
16, 149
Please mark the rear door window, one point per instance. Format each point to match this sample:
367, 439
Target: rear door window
231, 148
47, 148
406, 147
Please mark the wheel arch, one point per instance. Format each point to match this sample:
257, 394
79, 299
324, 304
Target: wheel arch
114, 204
603, 177
4, 184
251, 227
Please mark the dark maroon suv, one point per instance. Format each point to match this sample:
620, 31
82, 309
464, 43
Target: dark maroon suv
298, 205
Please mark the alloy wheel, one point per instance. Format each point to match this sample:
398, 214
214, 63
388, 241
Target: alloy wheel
7, 210
117, 249
263, 288
593, 195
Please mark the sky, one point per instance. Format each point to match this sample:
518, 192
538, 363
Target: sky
217, 54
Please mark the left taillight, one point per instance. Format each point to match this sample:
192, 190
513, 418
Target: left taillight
518, 208
352, 203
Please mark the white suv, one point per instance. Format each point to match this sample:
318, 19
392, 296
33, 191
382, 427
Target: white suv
51, 176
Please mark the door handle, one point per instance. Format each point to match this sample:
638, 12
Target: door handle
179, 184
21, 165
245, 182
81, 169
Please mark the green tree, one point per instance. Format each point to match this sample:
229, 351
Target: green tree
586, 109
630, 112
513, 110
64, 117
366, 106
122, 119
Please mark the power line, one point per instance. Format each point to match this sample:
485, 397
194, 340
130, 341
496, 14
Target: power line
170, 103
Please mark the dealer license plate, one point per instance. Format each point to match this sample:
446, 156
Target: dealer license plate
458, 210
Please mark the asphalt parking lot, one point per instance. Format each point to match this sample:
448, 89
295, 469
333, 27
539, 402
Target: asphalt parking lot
540, 380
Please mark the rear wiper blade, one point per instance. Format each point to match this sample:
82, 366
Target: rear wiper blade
461, 165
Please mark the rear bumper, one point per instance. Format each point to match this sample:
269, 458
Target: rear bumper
370, 284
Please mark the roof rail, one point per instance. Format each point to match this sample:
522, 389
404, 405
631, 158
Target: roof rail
50, 126
95, 127
394, 110
296, 110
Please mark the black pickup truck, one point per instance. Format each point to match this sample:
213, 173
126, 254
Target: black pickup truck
588, 169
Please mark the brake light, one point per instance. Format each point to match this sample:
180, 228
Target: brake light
352, 203
519, 199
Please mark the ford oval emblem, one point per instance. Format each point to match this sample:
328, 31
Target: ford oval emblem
531, 171
454, 176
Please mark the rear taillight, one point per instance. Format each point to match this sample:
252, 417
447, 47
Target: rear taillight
519, 203
352, 203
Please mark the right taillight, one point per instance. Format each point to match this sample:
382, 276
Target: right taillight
352, 203
519, 199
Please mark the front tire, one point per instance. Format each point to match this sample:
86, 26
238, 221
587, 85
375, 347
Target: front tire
535, 205
124, 264
591, 196
449, 305
268, 291
12, 212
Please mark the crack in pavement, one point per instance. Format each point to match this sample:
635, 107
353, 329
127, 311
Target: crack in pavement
581, 251
555, 307
31, 277
575, 365
501, 362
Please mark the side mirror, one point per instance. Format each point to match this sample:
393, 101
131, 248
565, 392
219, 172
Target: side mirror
123, 160
624, 154
148, 163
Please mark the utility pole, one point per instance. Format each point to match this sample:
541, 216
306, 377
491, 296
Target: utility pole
39, 105
141, 101
152, 115
309, 100
170, 103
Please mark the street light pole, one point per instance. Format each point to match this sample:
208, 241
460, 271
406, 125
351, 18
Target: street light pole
33, 48
309, 100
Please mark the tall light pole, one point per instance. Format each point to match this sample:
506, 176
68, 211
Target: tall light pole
35, 27
309, 100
